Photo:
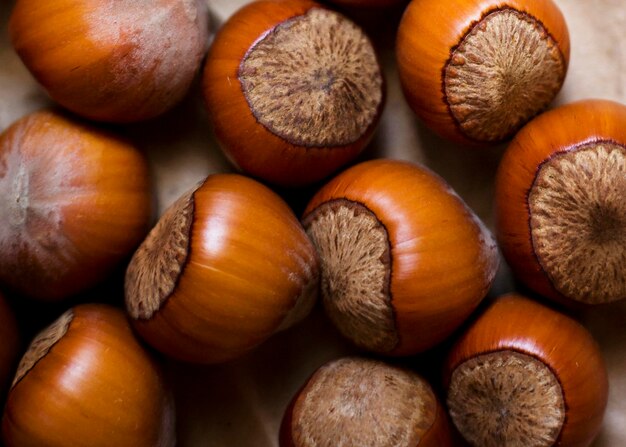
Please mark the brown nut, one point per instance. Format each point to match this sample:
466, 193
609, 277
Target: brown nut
561, 203
404, 260
75, 202
86, 381
294, 90
119, 62
524, 374
361, 402
227, 266
476, 70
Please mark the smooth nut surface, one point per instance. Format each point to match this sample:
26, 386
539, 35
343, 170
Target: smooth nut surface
112, 61
227, 266
76, 200
86, 381
393, 238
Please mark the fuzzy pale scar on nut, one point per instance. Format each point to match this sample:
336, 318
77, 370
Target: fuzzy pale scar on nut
314, 80
506, 398
505, 70
156, 266
356, 269
578, 221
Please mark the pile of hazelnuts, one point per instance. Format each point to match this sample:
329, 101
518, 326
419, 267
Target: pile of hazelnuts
294, 90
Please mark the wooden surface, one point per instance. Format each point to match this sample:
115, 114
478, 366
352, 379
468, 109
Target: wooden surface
241, 403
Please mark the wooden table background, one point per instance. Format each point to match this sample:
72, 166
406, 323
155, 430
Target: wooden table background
241, 403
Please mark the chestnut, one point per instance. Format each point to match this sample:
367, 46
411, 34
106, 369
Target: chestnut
86, 381
9, 335
75, 201
560, 203
524, 374
294, 90
404, 261
118, 62
475, 71
361, 402
227, 265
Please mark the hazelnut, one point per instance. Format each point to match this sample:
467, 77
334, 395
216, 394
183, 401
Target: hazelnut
294, 90
76, 201
560, 207
112, 61
404, 261
227, 265
476, 70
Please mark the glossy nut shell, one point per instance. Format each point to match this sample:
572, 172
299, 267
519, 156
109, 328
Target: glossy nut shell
476, 70
76, 200
86, 381
118, 62
515, 324
565, 238
227, 266
316, 106
368, 3
404, 260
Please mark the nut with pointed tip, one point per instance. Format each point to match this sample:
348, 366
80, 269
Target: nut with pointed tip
86, 381
362, 402
404, 261
524, 374
75, 202
226, 266
294, 90
560, 207
117, 62
476, 71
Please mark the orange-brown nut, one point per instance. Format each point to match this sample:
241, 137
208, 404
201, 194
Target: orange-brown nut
560, 203
227, 266
86, 381
112, 61
75, 202
404, 261
476, 70
294, 90
524, 374
360, 402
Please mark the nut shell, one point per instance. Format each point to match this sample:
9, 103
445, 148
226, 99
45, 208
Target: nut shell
116, 62
435, 41
313, 139
77, 200
564, 131
440, 259
246, 270
516, 324
94, 385
358, 401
